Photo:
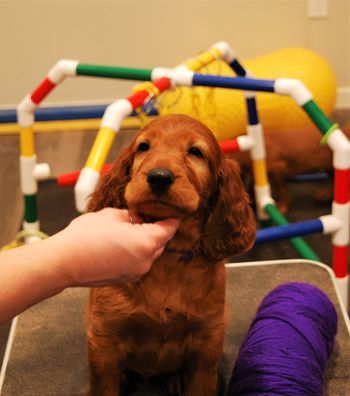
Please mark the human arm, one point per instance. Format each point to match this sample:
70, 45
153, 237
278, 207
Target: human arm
95, 249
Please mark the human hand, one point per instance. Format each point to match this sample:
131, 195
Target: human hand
109, 246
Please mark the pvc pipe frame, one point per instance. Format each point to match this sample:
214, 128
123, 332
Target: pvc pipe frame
181, 75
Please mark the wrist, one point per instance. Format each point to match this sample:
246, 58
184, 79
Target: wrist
73, 260
57, 262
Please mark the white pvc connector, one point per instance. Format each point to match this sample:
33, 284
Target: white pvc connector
28, 183
294, 88
330, 224
342, 213
343, 289
178, 76
31, 227
227, 53
255, 132
245, 142
340, 145
161, 72
249, 94
62, 69
115, 114
84, 187
41, 171
262, 198
25, 112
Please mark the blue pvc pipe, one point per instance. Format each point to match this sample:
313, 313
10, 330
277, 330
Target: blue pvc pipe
61, 113
253, 117
289, 231
311, 177
238, 68
247, 84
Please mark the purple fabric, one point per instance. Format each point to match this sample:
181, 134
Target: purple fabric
288, 344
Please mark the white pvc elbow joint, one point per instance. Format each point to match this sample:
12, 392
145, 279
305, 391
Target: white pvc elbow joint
84, 187
25, 112
62, 69
227, 53
115, 114
294, 88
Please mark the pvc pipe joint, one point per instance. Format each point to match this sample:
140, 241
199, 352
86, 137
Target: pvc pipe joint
263, 197
245, 142
115, 114
62, 69
178, 76
294, 88
41, 171
331, 224
25, 112
86, 185
226, 51
340, 145
27, 165
341, 212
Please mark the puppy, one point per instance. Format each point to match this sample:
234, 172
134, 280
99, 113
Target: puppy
172, 321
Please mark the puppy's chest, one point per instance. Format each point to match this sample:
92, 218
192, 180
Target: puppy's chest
160, 331
166, 312
170, 303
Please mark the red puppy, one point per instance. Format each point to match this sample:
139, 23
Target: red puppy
172, 321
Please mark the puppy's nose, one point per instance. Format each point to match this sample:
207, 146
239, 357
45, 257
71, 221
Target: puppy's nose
160, 179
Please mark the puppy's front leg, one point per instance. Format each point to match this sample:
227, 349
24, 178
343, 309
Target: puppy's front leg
104, 375
202, 381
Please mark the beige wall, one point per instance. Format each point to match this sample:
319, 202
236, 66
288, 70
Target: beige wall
35, 34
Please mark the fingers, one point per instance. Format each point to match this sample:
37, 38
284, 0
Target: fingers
160, 231
163, 230
158, 234
169, 226
158, 253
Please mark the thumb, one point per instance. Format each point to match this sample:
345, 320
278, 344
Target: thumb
162, 230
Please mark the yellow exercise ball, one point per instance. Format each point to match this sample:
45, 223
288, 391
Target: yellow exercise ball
224, 110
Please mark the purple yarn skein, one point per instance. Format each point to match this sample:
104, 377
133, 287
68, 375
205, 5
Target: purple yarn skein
288, 344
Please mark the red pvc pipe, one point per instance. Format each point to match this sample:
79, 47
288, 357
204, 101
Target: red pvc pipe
340, 261
229, 146
139, 98
69, 179
42, 91
341, 186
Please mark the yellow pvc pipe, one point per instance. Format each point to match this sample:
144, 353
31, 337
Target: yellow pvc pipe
203, 59
100, 149
260, 173
27, 146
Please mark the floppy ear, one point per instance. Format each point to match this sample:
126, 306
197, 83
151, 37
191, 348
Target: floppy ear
231, 227
111, 188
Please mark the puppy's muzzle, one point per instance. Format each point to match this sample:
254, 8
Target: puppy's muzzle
160, 180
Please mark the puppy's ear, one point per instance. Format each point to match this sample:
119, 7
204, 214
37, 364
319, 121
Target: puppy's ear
231, 227
111, 188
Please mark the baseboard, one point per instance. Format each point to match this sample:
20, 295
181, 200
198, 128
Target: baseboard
343, 98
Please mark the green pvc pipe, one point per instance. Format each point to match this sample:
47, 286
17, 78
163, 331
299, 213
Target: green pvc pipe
298, 243
317, 116
30, 212
114, 72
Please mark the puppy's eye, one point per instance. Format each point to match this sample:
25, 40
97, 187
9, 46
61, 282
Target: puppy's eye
143, 147
196, 152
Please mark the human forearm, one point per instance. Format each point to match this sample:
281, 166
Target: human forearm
28, 275
96, 249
